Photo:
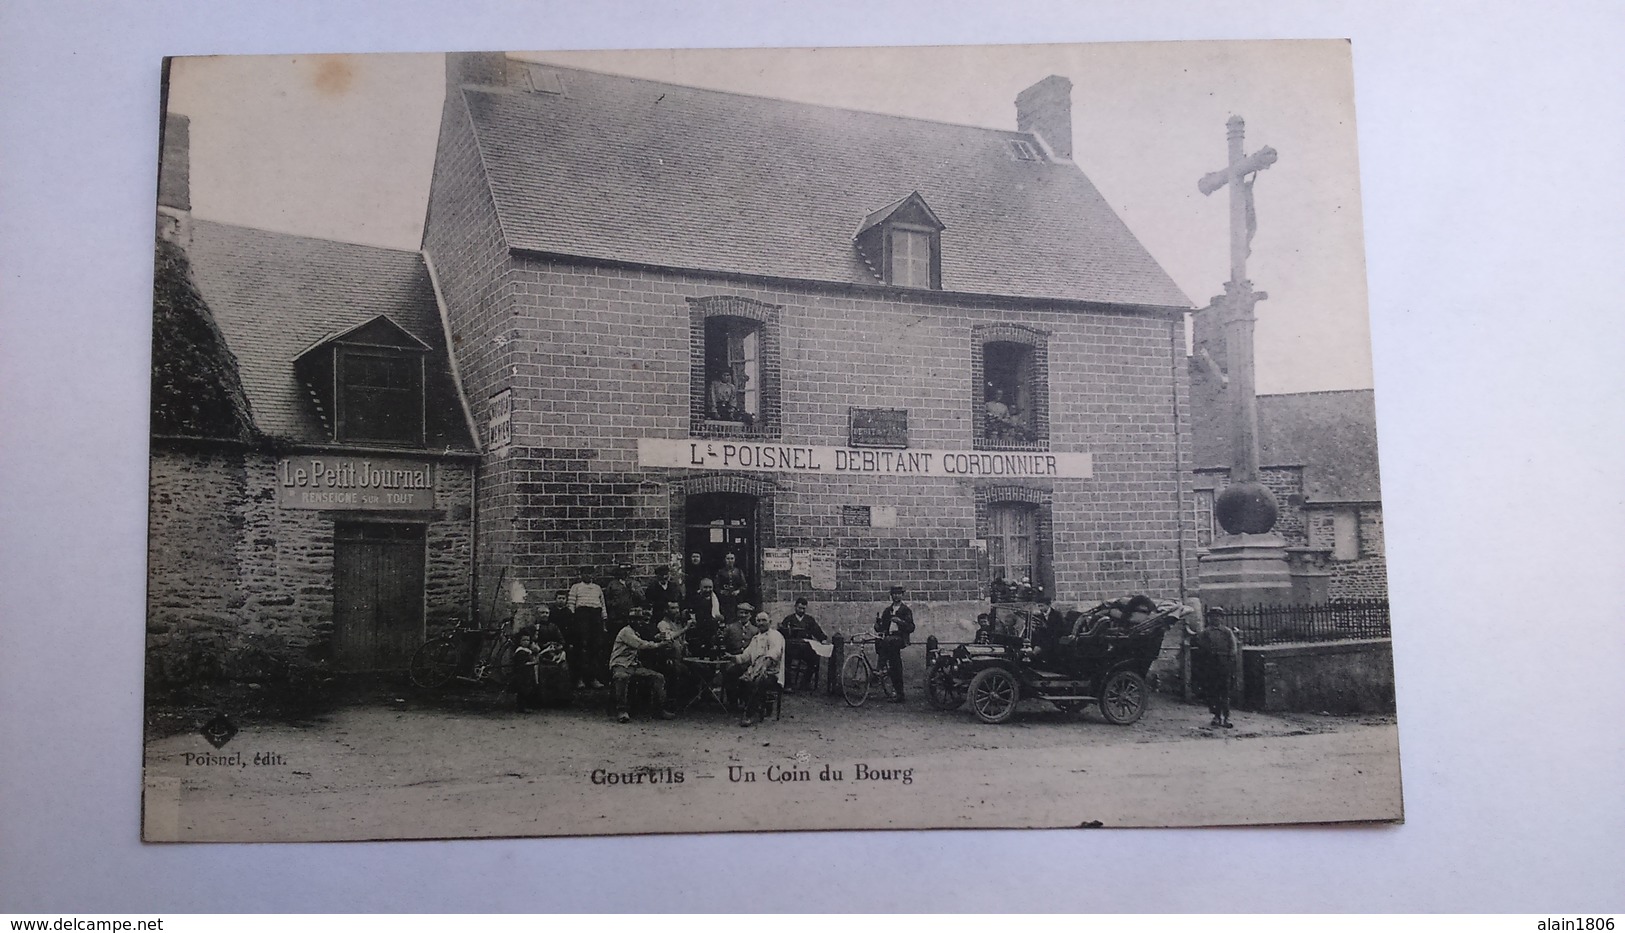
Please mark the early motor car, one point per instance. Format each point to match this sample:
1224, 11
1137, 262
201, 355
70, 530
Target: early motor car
1031, 651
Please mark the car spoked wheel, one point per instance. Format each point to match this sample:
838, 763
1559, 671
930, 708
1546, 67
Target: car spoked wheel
1123, 698
940, 690
993, 695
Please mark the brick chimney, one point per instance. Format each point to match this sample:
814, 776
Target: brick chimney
485, 69
1046, 109
175, 179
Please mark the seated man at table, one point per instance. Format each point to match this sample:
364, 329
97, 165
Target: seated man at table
625, 668
799, 628
757, 668
736, 633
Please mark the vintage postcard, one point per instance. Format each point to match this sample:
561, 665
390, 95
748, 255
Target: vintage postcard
783, 439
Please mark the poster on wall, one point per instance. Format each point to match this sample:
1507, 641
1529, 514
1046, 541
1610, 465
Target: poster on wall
924, 375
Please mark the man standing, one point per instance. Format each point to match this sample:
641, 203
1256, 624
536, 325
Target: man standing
894, 624
731, 585
1218, 644
707, 627
621, 596
586, 602
756, 668
799, 627
625, 668
660, 593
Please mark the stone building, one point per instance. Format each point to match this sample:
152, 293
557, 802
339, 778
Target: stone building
1317, 454
312, 461
854, 350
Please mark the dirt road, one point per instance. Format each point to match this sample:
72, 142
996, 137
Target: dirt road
402, 769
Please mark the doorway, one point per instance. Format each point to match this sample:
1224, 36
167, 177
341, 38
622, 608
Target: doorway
377, 594
720, 523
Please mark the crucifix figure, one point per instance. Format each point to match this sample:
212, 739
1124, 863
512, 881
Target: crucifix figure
1246, 506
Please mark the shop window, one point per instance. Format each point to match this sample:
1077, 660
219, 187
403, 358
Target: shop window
733, 377
1015, 551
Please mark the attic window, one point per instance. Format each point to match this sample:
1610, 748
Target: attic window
371, 377
545, 80
902, 244
1023, 151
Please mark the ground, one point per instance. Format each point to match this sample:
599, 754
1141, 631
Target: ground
404, 764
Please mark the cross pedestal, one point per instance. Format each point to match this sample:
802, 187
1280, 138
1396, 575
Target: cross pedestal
1247, 570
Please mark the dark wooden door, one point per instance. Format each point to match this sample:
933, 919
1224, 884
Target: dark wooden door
377, 594
723, 523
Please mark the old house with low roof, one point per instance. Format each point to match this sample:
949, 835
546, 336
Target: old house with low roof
312, 461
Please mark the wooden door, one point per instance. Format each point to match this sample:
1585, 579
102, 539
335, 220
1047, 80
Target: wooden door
377, 594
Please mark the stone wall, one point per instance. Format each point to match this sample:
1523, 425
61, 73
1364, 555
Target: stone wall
1338, 677
239, 588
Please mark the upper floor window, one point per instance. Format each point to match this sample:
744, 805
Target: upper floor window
1012, 387
367, 384
380, 396
733, 374
902, 243
734, 377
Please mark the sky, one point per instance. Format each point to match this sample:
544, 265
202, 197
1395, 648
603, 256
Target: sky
343, 147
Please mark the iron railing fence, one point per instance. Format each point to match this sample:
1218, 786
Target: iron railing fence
1338, 619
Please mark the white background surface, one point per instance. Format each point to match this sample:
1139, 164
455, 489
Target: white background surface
1492, 143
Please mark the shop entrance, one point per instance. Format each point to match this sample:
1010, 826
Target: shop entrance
720, 523
377, 594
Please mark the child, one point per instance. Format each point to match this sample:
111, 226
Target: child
526, 674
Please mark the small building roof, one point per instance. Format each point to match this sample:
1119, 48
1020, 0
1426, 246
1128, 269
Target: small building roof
630, 170
1331, 435
273, 295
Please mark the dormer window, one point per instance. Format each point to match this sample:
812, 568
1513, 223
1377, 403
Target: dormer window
902, 244
366, 384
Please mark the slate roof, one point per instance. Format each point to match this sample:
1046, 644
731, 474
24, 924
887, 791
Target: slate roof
274, 294
639, 171
1332, 435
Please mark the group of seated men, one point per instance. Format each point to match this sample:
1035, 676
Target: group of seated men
660, 646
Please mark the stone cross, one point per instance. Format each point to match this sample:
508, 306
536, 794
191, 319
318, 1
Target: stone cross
1249, 506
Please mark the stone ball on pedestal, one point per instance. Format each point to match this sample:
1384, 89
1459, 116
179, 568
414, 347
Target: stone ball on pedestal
1246, 509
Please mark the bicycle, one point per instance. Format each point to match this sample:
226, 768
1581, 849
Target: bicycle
859, 673
445, 657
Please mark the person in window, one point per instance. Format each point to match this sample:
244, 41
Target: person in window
723, 402
731, 584
997, 410
894, 624
799, 628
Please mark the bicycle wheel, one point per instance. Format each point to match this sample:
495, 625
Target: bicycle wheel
499, 671
434, 664
855, 674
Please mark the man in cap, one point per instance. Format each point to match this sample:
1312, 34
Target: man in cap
660, 593
626, 667
736, 633
621, 596
894, 624
1217, 646
799, 628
